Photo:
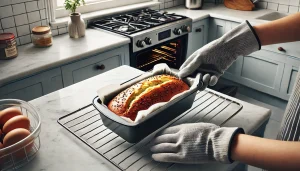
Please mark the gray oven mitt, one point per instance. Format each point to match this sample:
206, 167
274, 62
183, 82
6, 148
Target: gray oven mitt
194, 143
214, 58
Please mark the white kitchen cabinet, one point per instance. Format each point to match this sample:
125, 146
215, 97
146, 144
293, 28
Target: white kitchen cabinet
258, 72
33, 86
198, 36
92, 66
289, 76
269, 70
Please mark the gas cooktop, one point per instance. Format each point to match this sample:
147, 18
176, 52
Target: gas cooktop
134, 22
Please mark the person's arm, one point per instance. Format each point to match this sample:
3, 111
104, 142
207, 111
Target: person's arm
286, 29
266, 153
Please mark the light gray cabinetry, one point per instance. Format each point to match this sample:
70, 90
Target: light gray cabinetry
258, 72
269, 70
289, 76
34, 86
198, 36
98, 64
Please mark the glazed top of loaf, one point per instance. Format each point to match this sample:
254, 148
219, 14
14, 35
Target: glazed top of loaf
129, 101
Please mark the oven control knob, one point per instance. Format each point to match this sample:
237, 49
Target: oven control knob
140, 43
148, 41
186, 28
177, 31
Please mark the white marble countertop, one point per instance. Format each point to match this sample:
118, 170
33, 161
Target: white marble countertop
60, 150
64, 49
221, 12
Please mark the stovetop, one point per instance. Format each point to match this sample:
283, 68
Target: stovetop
134, 22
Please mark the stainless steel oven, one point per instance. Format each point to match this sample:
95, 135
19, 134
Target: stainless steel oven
156, 36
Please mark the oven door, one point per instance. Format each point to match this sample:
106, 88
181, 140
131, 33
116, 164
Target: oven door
172, 52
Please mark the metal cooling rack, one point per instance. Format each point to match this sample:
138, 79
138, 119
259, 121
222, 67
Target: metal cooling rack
87, 125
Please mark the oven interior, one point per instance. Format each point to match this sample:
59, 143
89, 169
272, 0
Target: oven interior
172, 53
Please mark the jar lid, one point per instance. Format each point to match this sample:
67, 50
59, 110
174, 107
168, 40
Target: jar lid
6, 36
40, 30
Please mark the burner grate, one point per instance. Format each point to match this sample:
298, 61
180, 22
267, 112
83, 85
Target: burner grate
136, 21
87, 125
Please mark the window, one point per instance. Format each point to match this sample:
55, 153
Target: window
90, 6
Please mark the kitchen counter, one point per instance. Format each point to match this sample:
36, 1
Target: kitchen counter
60, 150
221, 12
32, 60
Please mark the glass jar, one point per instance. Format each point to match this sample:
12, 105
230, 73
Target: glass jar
42, 36
8, 46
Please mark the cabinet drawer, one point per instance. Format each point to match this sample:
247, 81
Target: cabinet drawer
84, 69
95, 69
291, 49
34, 86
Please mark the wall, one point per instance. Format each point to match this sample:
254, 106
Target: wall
20, 16
287, 6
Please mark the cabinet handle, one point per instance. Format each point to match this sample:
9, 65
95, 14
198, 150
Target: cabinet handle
100, 67
281, 49
198, 30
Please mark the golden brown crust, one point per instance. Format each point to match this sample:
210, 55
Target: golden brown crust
142, 95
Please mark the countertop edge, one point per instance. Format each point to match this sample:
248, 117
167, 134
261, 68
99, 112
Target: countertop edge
47, 67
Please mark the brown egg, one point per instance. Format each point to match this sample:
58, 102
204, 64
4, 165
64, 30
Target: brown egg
8, 113
20, 121
15, 136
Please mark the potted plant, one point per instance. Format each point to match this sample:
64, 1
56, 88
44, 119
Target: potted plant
76, 25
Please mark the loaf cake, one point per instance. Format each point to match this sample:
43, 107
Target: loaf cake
142, 95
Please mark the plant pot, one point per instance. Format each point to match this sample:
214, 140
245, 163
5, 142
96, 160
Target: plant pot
76, 26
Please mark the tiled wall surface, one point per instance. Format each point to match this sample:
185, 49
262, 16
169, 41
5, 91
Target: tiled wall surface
170, 3
287, 6
20, 16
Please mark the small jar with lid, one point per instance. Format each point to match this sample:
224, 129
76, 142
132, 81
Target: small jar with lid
42, 36
8, 46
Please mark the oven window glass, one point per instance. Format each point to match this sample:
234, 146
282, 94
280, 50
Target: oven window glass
169, 53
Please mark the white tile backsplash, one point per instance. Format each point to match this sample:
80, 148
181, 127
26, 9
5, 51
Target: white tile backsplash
294, 2
272, 6
291, 6
34, 16
21, 19
8, 22
19, 8
20, 16
62, 30
283, 8
293, 9
6, 11
23, 30
31, 6
25, 39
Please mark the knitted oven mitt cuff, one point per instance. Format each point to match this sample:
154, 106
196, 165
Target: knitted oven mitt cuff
220, 140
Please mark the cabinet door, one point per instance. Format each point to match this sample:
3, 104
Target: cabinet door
198, 37
259, 72
34, 86
84, 69
216, 29
289, 76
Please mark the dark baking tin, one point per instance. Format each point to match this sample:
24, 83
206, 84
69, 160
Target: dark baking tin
135, 132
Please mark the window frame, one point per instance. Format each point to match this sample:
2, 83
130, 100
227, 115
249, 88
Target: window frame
60, 12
